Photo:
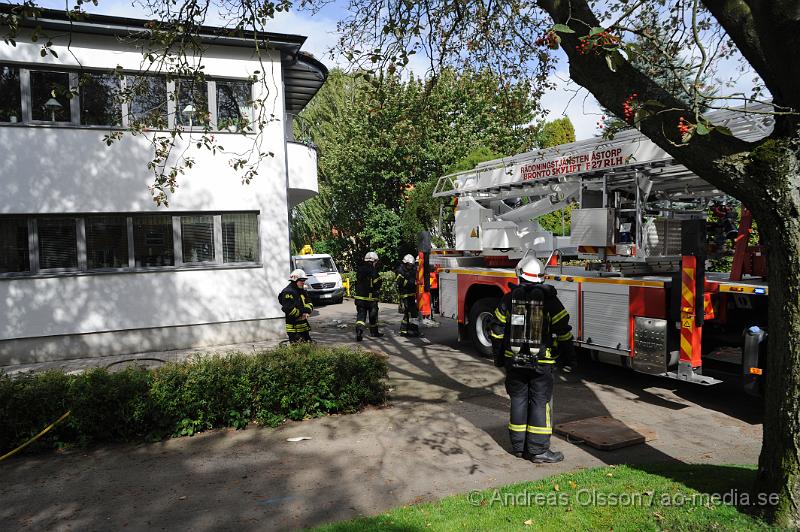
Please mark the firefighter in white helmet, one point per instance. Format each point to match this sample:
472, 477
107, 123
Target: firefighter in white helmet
297, 306
407, 291
530, 333
368, 287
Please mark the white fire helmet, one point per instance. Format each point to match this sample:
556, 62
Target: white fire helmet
531, 270
371, 257
408, 259
298, 275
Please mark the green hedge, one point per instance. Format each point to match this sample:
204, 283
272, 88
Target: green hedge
183, 398
388, 288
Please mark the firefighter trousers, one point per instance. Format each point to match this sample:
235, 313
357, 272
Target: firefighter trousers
298, 331
531, 393
410, 313
367, 310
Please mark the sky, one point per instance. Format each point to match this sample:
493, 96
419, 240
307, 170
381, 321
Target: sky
568, 99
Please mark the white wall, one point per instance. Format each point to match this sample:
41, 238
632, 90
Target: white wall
302, 167
69, 170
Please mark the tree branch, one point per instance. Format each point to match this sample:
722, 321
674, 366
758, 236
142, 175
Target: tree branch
736, 18
701, 155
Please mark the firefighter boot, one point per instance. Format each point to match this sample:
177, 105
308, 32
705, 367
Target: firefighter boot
375, 333
547, 457
359, 332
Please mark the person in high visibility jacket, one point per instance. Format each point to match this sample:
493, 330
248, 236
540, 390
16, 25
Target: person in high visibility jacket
530, 333
434, 279
368, 287
297, 306
407, 291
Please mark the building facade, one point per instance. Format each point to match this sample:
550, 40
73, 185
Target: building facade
89, 264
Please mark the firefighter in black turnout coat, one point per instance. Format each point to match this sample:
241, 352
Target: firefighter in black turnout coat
531, 332
407, 290
297, 306
368, 287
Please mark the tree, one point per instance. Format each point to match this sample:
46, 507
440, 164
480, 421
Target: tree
384, 142
515, 38
556, 132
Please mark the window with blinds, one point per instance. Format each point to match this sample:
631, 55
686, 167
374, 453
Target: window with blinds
197, 237
58, 243
240, 237
106, 242
152, 241
14, 252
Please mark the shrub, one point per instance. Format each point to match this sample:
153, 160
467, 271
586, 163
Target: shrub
295, 382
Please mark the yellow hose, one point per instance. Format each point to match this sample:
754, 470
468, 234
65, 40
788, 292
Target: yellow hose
45, 431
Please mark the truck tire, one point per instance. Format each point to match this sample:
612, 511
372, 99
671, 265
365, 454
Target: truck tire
480, 318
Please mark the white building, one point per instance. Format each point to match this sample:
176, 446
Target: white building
89, 265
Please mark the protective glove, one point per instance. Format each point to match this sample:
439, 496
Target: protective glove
566, 358
497, 353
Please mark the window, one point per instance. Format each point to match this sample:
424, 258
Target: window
92, 243
10, 98
14, 255
106, 242
148, 100
234, 101
239, 238
100, 101
152, 241
197, 234
317, 265
192, 98
58, 248
50, 96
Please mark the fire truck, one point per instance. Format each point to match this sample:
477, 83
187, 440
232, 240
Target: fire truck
632, 270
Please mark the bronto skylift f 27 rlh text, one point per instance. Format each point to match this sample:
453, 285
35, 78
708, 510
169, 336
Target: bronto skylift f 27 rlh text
631, 273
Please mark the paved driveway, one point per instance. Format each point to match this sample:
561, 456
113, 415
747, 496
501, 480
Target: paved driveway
443, 433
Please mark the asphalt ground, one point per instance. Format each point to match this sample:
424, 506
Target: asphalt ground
444, 432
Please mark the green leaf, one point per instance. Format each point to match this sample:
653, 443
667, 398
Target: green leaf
702, 129
724, 130
653, 104
595, 31
641, 114
610, 62
563, 28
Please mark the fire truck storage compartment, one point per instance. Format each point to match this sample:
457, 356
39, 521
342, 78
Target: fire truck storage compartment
605, 315
592, 227
568, 295
468, 228
448, 295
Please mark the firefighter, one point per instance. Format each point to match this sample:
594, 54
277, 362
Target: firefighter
297, 306
407, 289
530, 332
368, 287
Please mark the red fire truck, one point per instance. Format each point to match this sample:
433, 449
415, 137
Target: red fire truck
632, 272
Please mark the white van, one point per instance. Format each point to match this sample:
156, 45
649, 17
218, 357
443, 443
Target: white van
324, 283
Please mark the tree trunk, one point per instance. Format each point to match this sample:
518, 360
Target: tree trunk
778, 215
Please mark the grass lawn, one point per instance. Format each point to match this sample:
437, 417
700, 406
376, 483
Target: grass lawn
653, 497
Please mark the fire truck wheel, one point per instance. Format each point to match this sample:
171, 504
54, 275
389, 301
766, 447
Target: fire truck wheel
480, 321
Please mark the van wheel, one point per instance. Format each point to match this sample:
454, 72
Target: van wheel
481, 317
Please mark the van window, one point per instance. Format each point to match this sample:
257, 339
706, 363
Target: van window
316, 265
